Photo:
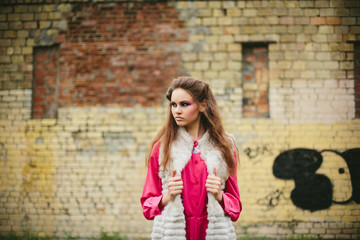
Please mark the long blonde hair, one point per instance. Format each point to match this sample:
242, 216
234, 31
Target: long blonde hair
210, 118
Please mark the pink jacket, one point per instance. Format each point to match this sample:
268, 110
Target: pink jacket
194, 194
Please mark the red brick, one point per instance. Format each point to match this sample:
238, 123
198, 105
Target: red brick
318, 20
40, 107
38, 98
263, 108
260, 50
261, 58
259, 65
287, 20
333, 20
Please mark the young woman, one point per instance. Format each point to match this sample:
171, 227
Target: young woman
191, 188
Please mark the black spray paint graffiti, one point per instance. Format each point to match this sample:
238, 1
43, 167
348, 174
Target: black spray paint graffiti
272, 199
255, 153
314, 191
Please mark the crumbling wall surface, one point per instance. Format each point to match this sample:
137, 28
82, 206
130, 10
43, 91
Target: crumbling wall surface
82, 89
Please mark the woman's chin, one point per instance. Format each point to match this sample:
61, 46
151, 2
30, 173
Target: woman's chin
181, 124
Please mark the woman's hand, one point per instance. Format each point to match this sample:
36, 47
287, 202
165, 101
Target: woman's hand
213, 185
175, 187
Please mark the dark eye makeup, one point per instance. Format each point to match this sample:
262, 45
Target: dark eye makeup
182, 104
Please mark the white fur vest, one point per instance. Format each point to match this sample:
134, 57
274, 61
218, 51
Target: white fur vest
170, 225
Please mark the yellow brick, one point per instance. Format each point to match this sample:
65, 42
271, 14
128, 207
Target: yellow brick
222, 21
250, 12
214, 4
44, 24
205, 12
299, 65
48, 7
234, 48
235, 55
27, 50
218, 65
212, 39
201, 65
235, 12
208, 21
27, 16
64, 7
226, 39
52, 32
189, 66
54, 16
196, 38
217, 13
350, 218
200, 4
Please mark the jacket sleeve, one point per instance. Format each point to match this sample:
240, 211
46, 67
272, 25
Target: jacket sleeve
152, 192
231, 197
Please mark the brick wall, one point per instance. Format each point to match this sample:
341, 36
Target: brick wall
77, 168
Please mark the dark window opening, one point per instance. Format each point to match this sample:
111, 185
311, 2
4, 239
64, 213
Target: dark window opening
255, 80
357, 78
46, 82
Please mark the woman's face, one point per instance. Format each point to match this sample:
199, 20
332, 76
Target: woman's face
184, 109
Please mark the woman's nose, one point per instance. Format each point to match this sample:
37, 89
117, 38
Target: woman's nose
178, 109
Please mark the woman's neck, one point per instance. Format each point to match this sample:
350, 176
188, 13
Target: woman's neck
196, 132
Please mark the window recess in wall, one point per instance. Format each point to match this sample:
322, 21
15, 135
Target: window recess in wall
46, 82
255, 80
357, 78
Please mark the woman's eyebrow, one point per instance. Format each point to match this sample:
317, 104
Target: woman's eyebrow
182, 101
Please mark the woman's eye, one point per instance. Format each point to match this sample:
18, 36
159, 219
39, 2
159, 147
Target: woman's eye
173, 104
185, 104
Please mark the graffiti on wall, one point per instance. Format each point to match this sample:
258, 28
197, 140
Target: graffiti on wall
256, 154
272, 199
315, 190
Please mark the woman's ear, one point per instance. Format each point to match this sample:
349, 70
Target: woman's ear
202, 106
